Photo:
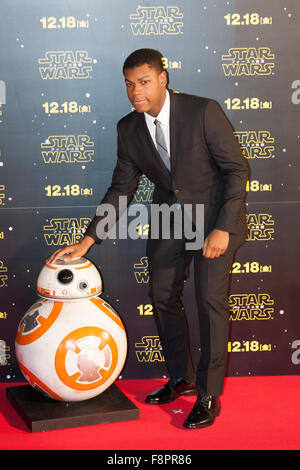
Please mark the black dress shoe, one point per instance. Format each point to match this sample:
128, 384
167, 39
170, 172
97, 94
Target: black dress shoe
170, 391
204, 413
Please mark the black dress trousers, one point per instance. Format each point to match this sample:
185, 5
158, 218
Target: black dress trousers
169, 262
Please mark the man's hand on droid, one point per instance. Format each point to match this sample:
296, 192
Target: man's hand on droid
215, 244
74, 251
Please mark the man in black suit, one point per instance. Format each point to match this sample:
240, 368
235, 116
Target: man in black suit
193, 158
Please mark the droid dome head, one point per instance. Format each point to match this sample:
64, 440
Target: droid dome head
78, 279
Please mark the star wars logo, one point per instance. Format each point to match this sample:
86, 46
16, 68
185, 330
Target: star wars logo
3, 274
4, 356
67, 149
66, 65
261, 227
141, 272
2, 194
156, 20
65, 231
256, 144
250, 307
144, 192
149, 349
248, 61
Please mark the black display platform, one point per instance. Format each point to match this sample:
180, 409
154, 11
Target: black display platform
44, 414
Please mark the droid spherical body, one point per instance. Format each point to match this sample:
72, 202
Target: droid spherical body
71, 344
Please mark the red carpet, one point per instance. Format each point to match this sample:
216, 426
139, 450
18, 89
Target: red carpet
258, 413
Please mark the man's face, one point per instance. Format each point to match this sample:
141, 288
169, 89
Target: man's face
146, 88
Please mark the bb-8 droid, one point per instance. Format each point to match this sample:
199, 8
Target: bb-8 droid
71, 345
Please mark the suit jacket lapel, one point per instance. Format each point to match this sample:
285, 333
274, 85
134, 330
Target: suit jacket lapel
174, 129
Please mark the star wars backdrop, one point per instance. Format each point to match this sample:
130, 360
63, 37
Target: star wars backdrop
62, 93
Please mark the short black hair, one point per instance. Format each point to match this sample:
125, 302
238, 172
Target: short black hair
144, 56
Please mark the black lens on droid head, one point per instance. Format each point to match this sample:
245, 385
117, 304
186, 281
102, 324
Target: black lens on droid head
65, 276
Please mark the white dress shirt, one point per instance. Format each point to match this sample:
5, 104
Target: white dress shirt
164, 118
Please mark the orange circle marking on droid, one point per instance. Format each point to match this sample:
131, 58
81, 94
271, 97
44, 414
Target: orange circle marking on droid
101, 304
44, 325
70, 343
34, 380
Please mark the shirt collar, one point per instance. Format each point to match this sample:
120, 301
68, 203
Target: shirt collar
164, 114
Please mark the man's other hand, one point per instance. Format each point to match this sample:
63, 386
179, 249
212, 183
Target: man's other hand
215, 244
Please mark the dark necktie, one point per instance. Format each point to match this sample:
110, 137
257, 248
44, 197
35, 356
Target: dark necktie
161, 144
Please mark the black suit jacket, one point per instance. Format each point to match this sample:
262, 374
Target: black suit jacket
207, 166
